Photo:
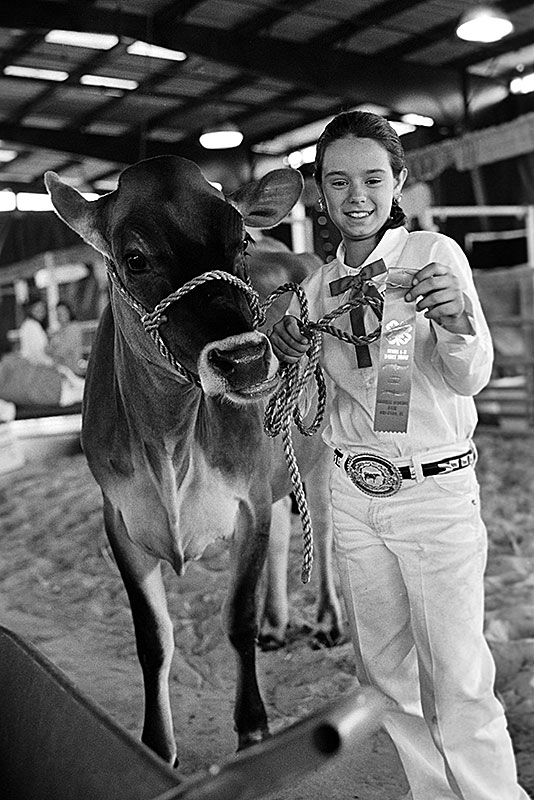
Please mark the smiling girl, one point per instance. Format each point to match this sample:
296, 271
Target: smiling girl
409, 539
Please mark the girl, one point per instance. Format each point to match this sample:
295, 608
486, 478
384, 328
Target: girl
409, 539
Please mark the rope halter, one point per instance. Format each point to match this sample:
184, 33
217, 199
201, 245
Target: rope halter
151, 320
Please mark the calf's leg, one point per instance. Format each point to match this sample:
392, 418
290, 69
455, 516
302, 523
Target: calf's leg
329, 614
248, 551
275, 611
141, 574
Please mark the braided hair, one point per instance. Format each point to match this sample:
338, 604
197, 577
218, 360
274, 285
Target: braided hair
365, 125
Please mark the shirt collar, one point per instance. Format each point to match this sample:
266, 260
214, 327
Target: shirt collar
386, 249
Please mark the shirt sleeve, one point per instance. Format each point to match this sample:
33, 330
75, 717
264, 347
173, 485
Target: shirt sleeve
464, 360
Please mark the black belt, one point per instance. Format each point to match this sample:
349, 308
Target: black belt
379, 477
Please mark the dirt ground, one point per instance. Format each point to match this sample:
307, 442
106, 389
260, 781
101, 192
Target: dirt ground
60, 589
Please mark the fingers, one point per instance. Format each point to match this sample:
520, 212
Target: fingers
438, 306
448, 298
287, 341
436, 290
432, 277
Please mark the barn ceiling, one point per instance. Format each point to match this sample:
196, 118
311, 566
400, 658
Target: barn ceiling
269, 66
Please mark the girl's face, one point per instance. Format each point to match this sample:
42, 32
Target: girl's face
358, 186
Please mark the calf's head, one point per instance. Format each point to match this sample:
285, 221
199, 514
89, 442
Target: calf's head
164, 226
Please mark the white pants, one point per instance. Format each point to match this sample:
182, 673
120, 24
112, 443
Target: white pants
411, 568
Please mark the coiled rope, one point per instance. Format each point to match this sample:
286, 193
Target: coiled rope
283, 407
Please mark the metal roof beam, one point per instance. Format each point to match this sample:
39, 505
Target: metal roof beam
121, 149
428, 90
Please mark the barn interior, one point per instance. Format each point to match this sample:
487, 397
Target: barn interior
89, 87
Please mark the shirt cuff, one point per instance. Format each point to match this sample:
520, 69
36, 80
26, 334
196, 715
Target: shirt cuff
444, 335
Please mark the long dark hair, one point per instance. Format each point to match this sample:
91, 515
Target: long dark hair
365, 125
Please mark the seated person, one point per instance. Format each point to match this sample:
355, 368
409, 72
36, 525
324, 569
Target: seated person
65, 342
33, 339
30, 377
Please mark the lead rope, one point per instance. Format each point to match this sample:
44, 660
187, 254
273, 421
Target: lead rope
283, 406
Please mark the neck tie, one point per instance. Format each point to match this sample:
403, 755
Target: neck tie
358, 283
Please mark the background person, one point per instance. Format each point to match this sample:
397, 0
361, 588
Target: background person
65, 342
33, 339
31, 377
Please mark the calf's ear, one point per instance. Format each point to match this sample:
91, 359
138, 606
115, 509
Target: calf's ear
265, 202
82, 215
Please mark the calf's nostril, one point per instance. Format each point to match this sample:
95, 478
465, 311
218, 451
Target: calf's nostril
221, 361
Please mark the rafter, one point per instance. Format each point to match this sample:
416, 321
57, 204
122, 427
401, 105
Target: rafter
433, 91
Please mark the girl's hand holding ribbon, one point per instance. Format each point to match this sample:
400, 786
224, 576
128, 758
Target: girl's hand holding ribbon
437, 292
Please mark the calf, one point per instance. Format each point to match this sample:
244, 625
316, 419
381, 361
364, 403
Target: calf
172, 413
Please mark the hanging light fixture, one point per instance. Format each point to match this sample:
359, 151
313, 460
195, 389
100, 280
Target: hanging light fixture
221, 137
484, 24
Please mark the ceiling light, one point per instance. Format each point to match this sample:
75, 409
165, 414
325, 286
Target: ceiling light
109, 83
299, 157
106, 184
7, 155
523, 84
40, 201
221, 137
401, 128
418, 120
34, 201
8, 201
484, 24
153, 51
38, 74
93, 41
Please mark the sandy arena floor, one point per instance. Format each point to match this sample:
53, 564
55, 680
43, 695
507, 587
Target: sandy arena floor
59, 588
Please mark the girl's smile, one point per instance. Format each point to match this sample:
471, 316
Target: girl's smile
358, 187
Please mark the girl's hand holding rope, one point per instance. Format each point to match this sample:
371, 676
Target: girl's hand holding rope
287, 340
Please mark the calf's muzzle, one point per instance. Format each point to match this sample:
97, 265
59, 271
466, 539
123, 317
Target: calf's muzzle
241, 366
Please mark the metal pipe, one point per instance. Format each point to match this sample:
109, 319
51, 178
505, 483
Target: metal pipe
291, 754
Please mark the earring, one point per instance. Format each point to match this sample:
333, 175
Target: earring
321, 204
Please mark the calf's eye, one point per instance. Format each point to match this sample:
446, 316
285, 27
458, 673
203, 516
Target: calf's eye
136, 262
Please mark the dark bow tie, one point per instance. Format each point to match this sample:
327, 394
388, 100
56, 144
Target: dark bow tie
360, 283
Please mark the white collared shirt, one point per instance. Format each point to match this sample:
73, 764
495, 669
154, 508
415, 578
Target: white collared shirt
448, 369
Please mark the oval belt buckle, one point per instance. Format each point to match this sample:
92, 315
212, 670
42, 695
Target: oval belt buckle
373, 475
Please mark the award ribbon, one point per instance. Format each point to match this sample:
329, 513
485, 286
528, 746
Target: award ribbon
396, 354
361, 283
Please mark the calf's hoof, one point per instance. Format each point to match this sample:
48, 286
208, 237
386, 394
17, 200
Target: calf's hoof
270, 641
246, 740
